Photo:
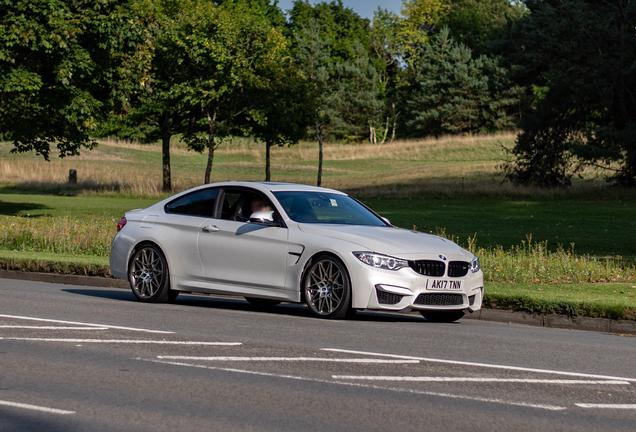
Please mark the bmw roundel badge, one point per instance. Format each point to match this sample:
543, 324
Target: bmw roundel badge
443, 257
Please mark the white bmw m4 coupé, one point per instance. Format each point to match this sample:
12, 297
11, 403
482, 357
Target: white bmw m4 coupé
282, 242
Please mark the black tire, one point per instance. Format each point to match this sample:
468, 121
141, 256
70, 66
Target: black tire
442, 316
261, 302
326, 288
172, 295
149, 276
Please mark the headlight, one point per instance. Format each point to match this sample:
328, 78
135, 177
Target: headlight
381, 261
474, 265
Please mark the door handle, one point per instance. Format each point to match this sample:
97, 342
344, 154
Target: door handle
211, 228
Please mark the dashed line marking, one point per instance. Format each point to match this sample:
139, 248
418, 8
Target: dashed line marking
486, 365
122, 341
606, 406
85, 324
35, 407
288, 359
51, 327
475, 379
344, 383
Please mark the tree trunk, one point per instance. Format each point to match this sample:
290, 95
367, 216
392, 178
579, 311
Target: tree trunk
386, 131
394, 122
268, 175
211, 132
166, 134
319, 136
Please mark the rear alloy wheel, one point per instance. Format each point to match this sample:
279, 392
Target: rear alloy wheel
442, 316
149, 277
327, 288
261, 302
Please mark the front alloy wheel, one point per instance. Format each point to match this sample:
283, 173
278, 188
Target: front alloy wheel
148, 275
327, 288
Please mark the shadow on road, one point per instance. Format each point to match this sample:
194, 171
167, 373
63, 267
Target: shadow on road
104, 293
22, 422
238, 304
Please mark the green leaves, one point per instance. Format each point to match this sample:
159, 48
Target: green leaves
64, 66
578, 57
456, 93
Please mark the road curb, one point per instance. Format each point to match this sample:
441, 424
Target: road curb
94, 281
603, 325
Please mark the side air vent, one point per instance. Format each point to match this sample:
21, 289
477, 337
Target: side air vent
457, 268
428, 267
439, 299
388, 298
471, 300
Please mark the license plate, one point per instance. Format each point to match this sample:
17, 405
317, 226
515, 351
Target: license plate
443, 284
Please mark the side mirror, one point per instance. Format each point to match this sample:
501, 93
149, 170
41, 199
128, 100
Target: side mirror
265, 217
386, 220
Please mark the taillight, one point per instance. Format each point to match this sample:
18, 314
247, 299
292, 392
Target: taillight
121, 224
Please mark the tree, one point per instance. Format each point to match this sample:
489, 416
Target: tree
354, 103
155, 112
453, 93
477, 22
384, 45
226, 55
340, 27
283, 114
312, 58
64, 66
578, 57
420, 20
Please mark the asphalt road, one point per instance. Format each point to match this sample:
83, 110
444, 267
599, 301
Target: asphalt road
91, 359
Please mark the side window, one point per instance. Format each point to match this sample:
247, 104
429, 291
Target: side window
238, 205
199, 203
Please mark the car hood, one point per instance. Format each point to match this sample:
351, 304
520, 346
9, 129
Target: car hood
397, 242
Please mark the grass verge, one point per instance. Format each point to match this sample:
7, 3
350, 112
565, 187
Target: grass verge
605, 300
599, 300
54, 263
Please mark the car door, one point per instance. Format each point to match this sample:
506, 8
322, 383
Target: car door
179, 229
239, 253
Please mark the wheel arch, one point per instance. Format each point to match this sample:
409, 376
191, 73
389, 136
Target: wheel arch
311, 260
141, 244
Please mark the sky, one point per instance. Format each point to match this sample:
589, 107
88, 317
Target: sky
364, 8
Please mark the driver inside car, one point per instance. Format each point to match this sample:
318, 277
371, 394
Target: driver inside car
260, 204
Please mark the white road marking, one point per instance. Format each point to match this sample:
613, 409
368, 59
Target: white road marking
122, 341
51, 327
610, 406
401, 390
35, 407
486, 365
85, 324
474, 379
287, 359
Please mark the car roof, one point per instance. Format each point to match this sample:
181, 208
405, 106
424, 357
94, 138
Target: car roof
260, 186
276, 186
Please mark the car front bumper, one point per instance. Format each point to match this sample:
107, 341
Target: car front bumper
397, 290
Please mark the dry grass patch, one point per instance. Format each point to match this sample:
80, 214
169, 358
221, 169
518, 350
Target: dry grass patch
445, 167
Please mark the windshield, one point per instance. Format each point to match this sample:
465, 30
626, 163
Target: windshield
326, 208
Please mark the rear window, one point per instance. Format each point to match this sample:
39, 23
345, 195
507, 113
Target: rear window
199, 203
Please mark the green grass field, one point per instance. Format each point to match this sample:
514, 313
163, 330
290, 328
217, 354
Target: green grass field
595, 227
448, 186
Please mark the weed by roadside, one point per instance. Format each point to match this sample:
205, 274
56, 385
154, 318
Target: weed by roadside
534, 262
78, 236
